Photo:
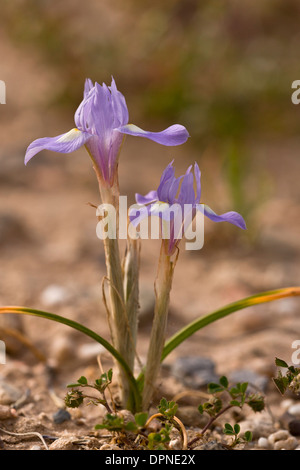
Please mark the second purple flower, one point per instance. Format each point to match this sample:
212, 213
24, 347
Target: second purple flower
179, 195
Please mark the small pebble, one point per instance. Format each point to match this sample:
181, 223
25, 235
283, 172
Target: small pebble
61, 416
63, 443
127, 415
260, 382
282, 440
35, 448
294, 410
263, 443
294, 427
190, 416
194, 371
175, 444
109, 447
90, 350
54, 295
62, 349
6, 412
286, 404
260, 426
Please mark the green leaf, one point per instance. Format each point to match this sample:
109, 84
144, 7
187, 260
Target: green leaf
228, 427
110, 375
224, 381
256, 402
82, 380
167, 408
244, 387
248, 436
131, 426
203, 321
163, 404
141, 419
237, 428
201, 409
280, 363
74, 399
73, 385
90, 333
280, 384
214, 388
235, 403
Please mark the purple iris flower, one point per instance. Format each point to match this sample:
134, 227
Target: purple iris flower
101, 122
179, 193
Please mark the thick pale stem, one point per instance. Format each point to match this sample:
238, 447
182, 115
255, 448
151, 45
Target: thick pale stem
131, 293
118, 319
163, 286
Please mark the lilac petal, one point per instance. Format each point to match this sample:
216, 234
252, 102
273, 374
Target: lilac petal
64, 143
119, 105
173, 135
102, 111
173, 189
148, 198
197, 173
187, 194
87, 87
167, 184
232, 217
167, 174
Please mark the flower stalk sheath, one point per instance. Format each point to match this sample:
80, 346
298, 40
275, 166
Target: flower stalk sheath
131, 267
163, 285
116, 310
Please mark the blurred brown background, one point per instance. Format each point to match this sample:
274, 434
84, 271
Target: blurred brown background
222, 69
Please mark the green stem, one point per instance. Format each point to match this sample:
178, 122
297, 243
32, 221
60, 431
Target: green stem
199, 323
87, 332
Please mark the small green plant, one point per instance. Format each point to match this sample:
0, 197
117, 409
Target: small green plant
117, 423
167, 408
160, 440
139, 426
75, 397
234, 431
223, 398
289, 381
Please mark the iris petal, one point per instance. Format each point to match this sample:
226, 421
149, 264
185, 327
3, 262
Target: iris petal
150, 197
173, 135
198, 182
232, 217
64, 143
119, 106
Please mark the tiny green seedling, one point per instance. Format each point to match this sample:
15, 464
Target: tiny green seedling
75, 397
234, 431
289, 381
223, 398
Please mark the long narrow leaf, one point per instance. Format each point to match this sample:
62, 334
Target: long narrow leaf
87, 332
199, 323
